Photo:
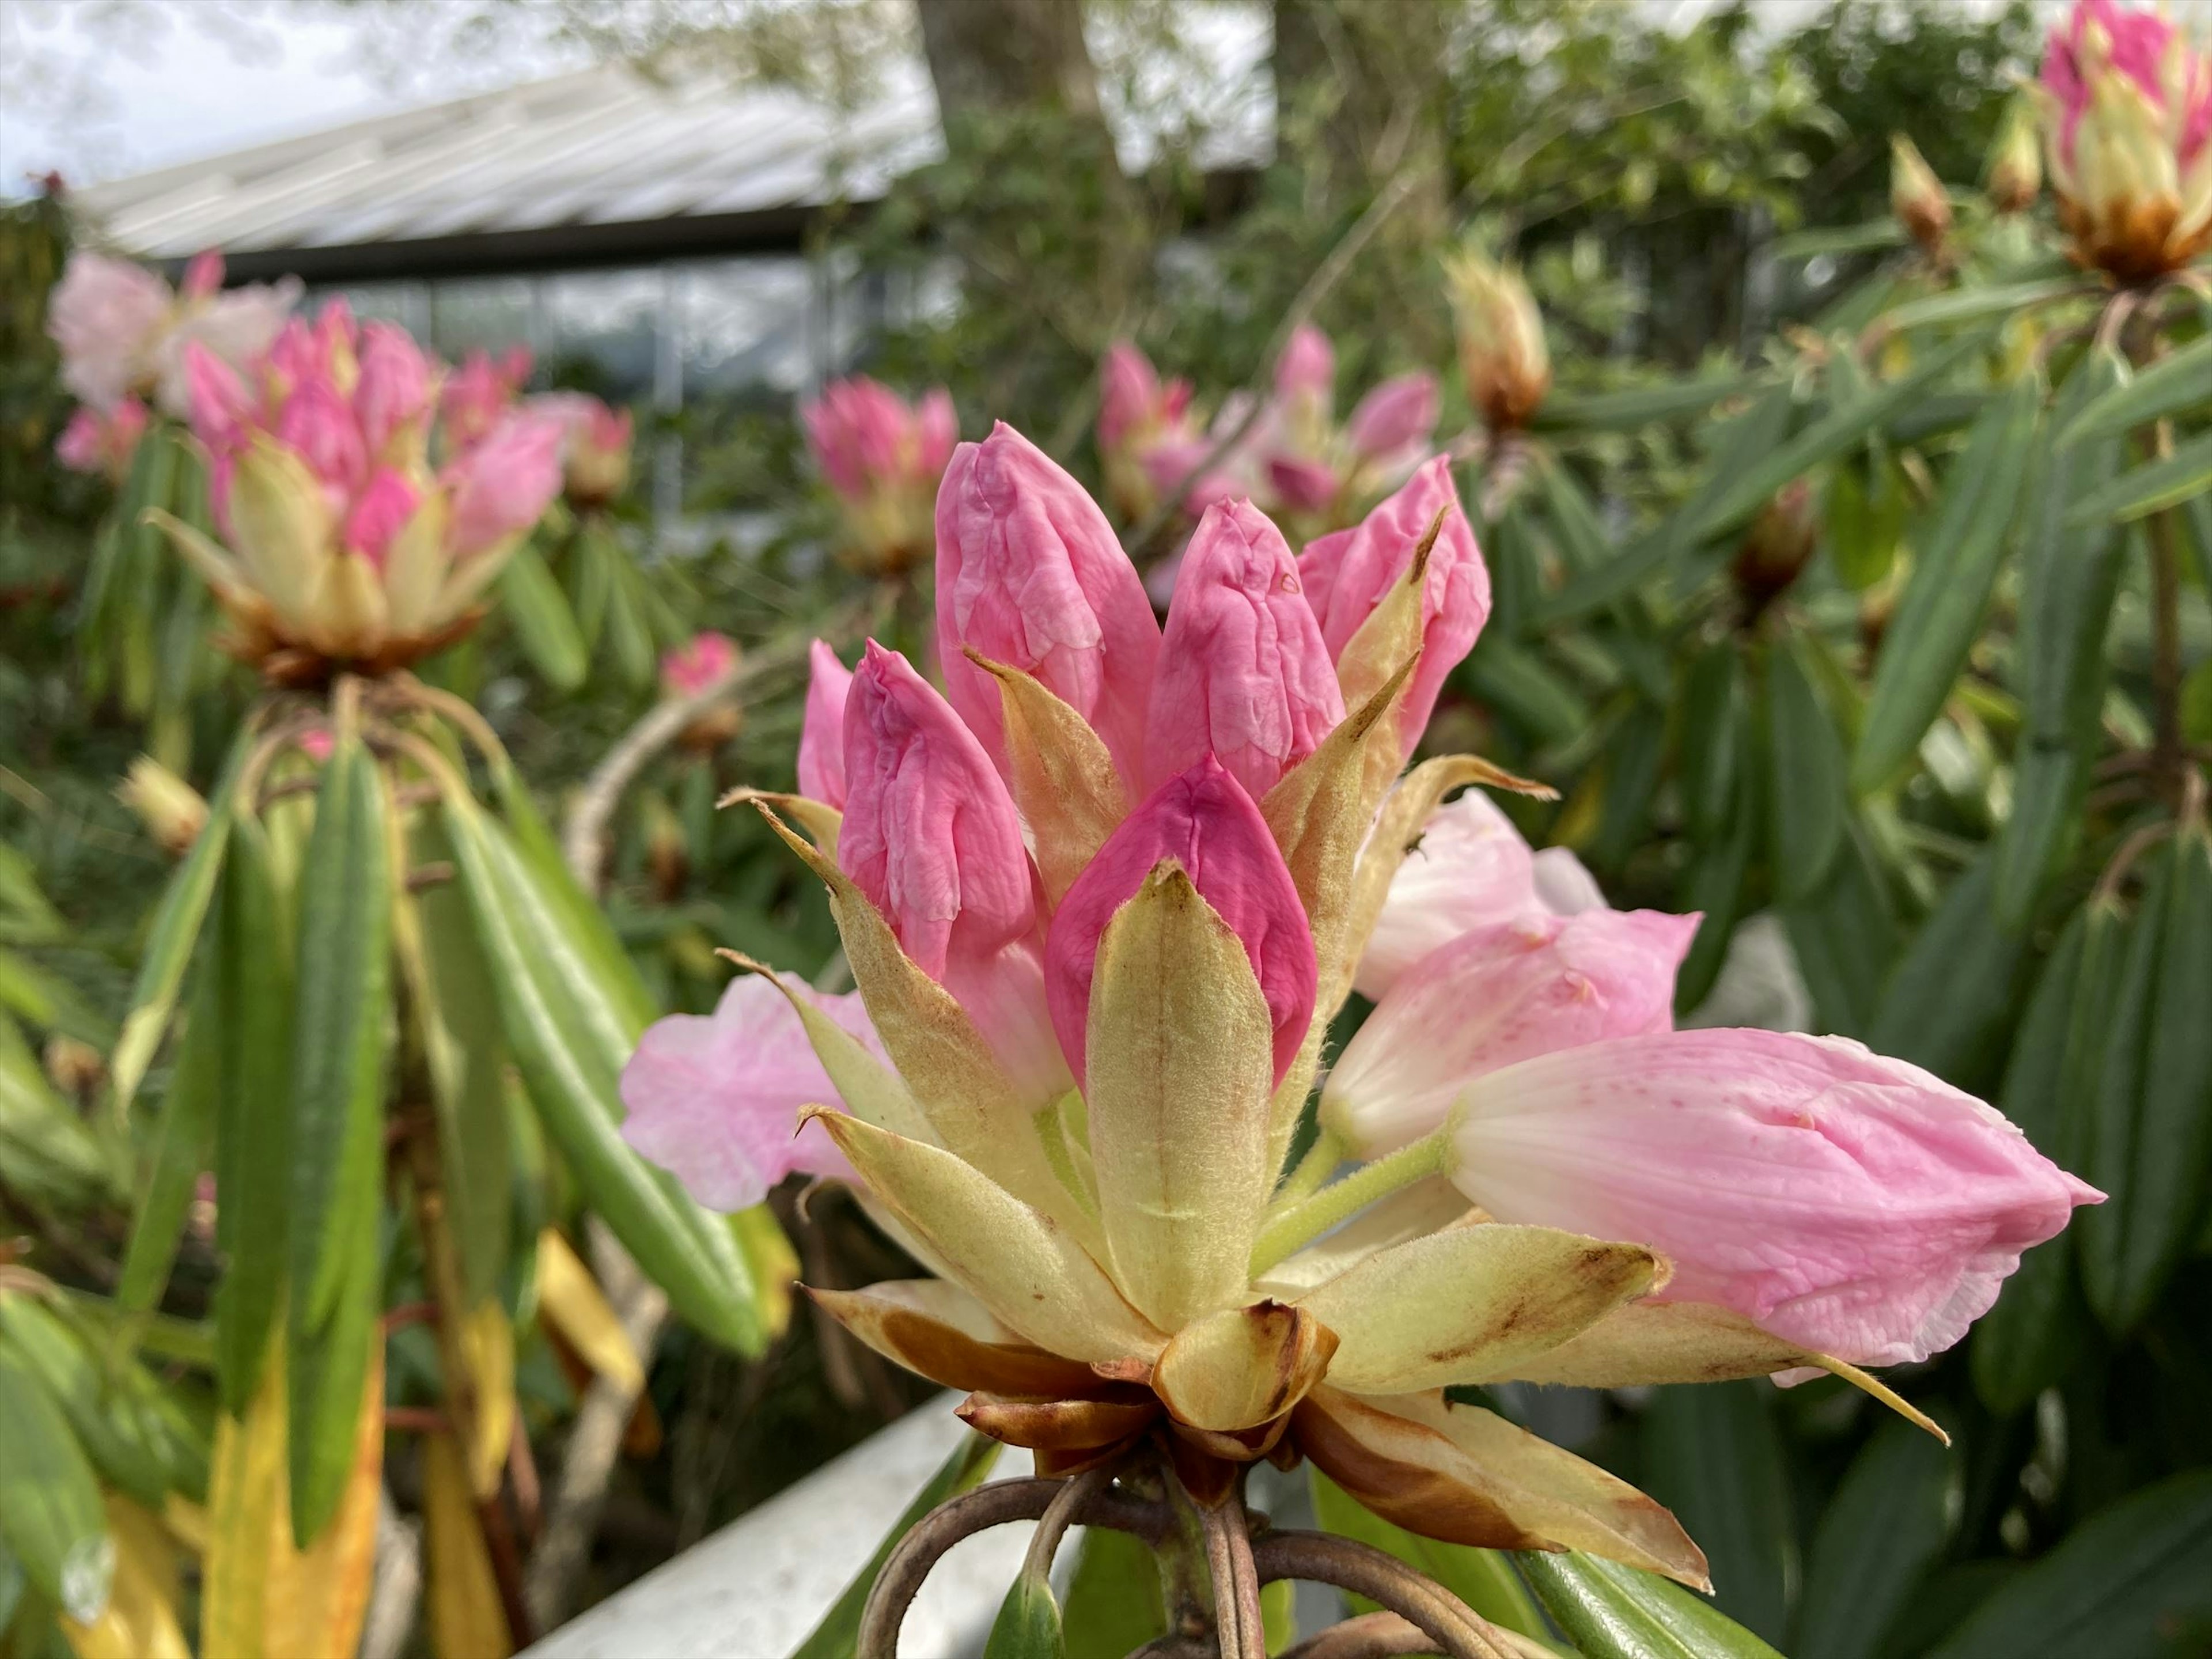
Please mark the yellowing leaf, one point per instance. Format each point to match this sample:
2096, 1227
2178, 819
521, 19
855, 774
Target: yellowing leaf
467, 1618
140, 1620
318, 1597
489, 1342
570, 1300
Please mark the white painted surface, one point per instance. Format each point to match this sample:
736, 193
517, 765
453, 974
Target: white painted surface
754, 1589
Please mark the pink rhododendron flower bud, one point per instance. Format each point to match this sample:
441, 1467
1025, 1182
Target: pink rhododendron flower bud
716, 1098
1243, 675
1471, 869
1205, 822
318, 425
1916, 195
503, 486
883, 458
380, 514
1303, 486
219, 405
1029, 574
2127, 104
1305, 374
95, 440
393, 394
105, 315
1348, 574
821, 737
696, 664
203, 275
1500, 992
1143, 430
597, 453
477, 394
1503, 359
1855, 1204
1397, 415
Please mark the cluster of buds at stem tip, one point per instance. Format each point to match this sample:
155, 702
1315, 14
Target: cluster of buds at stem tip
124, 333
881, 456
699, 663
595, 446
1103, 896
341, 543
2126, 101
1917, 197
1503, 360
2013, 175
1290, 456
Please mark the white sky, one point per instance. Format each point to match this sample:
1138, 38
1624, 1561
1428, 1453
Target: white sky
101, 88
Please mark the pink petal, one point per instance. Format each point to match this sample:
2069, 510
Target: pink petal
1504, 992
1243, 674
696, 664
1307, 368
503, 485
1471, 868
380, 514
1395, 414
1303, 486
1855, 1204
1205, 822
1029, 574
1352, 571
221, 406
714, 1100
394, 388
203, 275
1564, 885
822, 738
82, 446
318, 425
937, 430
1128, 394
102, 315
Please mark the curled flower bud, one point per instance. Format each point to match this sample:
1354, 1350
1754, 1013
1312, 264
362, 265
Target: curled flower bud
171, 808
2014, 174
1503, 359
1916, 195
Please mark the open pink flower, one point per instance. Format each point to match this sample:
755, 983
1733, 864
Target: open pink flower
716, 1098
1855, 1204
1471, 869
123, 332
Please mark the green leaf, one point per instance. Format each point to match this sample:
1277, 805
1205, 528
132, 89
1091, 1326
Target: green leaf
964, 1470
1484, 1579
1622, 412
1113, 1601
2134, 1582
1613, 1612
1712, 719
1582, 537
1712, 1455
2175, 385
2068, 575
1887, 1524
251, 965
343, 1010
2181, 477
180, 1152
1866, 238
50, 1002
2022, 1344
1845, 939
1632, 761
1841, 428
176, 929
1527, 691
1948, 1005
1805, 791
1028, 1625
50, 1517
570, 1037
1865, 515
135, 1437
2152, 1128
46, 1149
1714, 884
544, 627
1937, 619
1972, 305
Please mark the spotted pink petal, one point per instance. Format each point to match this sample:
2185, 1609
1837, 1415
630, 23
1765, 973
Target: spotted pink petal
1205, 822
715, 1099
1030, 574
1856, 1204
822, 738
1243, 674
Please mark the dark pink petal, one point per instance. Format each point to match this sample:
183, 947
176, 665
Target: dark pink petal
822, 738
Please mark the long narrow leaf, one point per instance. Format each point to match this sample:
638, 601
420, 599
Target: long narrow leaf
2181, 477
1611, 1611
2174, 385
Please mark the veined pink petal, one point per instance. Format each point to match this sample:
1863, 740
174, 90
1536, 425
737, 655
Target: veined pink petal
714, 1100
1349, 573
503, 485
1504, 992
822, 738
1029, 574
1471, 868
930, 834
1856, 1204
1243, 674
379, 513
1204, 821
1400, 411
696, 664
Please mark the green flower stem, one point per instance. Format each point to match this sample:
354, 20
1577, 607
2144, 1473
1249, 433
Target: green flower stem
1316, 1166
1310, 1217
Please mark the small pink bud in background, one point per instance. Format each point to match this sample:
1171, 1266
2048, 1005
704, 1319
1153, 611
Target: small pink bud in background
315, 743
1205, 822
203, 275
380, 514
596, 451
716, 1098
503, 486
883, 458
1303, 486
1349, 573
1500, 992
1470, 869
394, 390
1029, 574
93, 441
696, 664
476, 396
1305, 374
1243, 675
1398, 415
1855, 1204
822, 738
1132, 401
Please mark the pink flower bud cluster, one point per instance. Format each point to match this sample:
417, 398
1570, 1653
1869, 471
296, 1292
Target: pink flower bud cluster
882, 457
125, 334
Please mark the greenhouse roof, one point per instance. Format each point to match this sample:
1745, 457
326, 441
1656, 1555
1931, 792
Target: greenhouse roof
602, 165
